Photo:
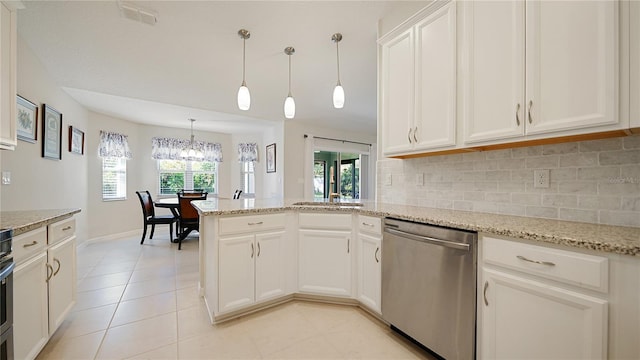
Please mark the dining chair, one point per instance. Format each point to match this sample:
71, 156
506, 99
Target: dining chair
197, 192
189, 219
150, 218
236, 195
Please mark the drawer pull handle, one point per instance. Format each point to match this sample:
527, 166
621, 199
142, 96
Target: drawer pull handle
252, 250
30, 245
375, 255
484, 293
66, 228
49, 273
258, 250
348, 244
367, 224
536, 261
58, 270
255, 223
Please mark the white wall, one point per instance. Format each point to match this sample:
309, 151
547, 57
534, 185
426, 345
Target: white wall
38, 183
398, 14
294, 152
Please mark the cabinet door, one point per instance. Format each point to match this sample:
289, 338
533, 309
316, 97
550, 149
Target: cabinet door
324, 262
30, 314
369, 274
62, 285
8, 49
572, 65
397, 93
236, 272
492, 70
523, 318
435, 112
270, 281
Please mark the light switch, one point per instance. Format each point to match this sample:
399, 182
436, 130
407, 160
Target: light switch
6, 177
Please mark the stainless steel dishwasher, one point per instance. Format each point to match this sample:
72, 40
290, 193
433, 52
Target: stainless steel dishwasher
429, 286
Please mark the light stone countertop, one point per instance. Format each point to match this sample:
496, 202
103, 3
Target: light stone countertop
607, 238
27, 220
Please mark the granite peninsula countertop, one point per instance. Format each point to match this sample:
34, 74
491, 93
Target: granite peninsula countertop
607, 238
27, 220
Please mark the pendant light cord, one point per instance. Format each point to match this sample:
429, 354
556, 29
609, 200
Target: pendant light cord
244, 42
338, 60
289, 75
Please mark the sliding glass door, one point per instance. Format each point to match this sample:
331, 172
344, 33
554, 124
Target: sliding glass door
337, 173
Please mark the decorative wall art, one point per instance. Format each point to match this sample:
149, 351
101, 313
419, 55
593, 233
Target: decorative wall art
51, 133
76, 140
271, 158
27, 120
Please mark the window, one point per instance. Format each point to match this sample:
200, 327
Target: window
175, 175
248, 178
114, 179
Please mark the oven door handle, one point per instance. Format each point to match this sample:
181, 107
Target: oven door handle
7, 271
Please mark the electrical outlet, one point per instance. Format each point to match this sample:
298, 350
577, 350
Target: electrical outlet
6, 177
387, 179
541, 179
420, 179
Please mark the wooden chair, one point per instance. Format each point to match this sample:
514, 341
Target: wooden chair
149, 216
236, 195
193, 191
189, 219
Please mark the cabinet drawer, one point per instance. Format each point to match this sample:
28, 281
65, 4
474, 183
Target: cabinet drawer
324, 221
28, 244
586, 271
251, 223
62, 230
369, 224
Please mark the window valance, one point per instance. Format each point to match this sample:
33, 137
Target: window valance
114, 145
247, 152
170, 149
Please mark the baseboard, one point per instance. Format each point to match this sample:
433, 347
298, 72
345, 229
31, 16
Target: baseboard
111, 237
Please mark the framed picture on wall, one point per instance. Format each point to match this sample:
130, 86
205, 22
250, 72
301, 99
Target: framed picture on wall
51, 133
76, 140
271, 158
27, 121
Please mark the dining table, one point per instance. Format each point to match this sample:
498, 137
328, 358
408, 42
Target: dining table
170, 203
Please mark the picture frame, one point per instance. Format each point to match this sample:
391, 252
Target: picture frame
26, 120
271, 158
76, 140
51, 133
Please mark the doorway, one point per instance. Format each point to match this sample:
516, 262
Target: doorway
337, 172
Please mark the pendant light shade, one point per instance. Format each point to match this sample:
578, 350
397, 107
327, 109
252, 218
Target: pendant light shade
289, 103
244, 97
338, 91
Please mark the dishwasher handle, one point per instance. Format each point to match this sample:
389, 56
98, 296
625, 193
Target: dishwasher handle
429, 240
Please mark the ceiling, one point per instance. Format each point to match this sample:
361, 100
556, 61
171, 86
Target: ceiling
189, 64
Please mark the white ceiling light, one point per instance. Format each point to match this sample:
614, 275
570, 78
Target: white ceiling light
244, 97
289, 103
338, 91
190, 152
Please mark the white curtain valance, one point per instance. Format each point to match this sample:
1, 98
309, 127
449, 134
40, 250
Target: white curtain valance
247, 152
114, 145
170, 149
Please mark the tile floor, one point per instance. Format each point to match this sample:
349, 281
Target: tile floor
141, 302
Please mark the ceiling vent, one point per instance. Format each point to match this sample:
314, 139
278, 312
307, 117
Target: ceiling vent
137, 13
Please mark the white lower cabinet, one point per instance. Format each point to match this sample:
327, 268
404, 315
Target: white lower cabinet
530, 319
324, 262
250, 269
538, 303
44, 285
30, 310
369, 272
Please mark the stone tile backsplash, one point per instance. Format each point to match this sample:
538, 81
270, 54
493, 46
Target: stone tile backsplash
591, 181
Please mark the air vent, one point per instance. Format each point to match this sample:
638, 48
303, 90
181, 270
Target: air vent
137, 13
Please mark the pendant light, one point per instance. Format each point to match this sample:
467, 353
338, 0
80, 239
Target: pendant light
289, 103
338, 91
190, 152
244, 97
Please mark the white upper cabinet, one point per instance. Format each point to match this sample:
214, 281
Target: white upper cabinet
418, 83
566, 84
8, 50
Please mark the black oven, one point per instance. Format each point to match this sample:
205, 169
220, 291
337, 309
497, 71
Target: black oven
6, 296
